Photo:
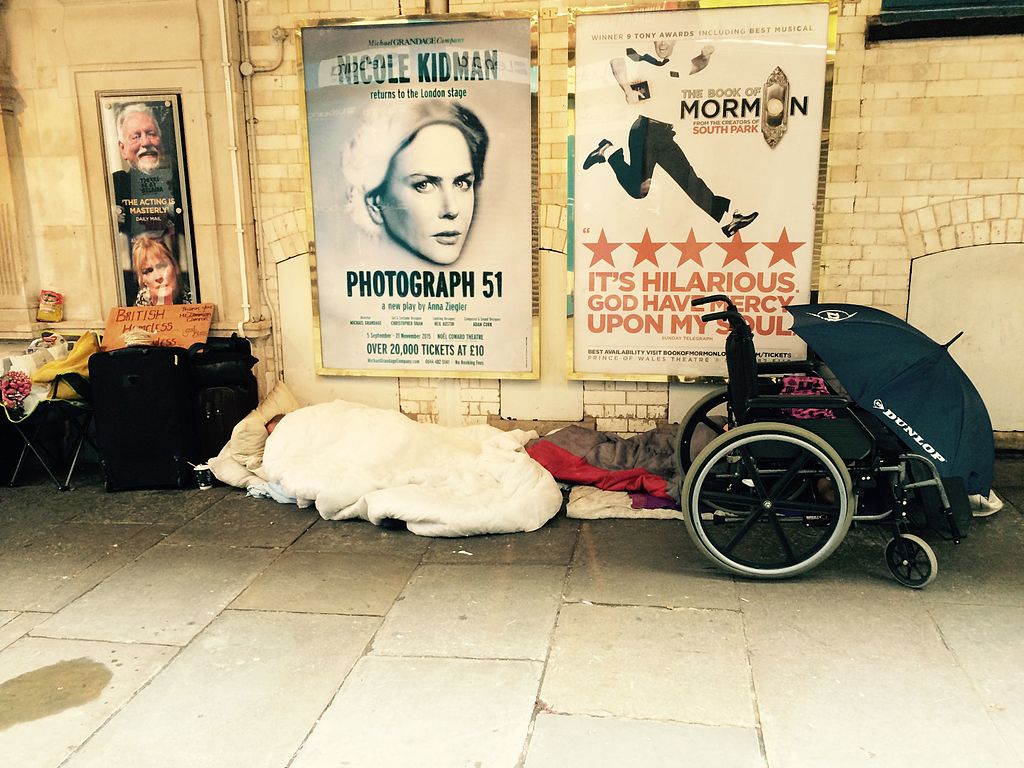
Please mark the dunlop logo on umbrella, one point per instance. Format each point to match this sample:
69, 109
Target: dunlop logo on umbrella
915, 436
879, 358
833, 316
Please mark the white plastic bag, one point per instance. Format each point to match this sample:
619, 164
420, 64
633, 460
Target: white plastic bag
53, 343
31, 362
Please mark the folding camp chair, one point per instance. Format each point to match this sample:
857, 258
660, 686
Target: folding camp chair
71, 418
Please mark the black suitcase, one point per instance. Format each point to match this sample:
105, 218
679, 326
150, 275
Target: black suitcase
143, 398
219, 409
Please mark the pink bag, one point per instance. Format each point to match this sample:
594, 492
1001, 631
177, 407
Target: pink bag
806, 385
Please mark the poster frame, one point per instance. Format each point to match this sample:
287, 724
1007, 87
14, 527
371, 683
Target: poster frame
170, 117
425, 21
680, 5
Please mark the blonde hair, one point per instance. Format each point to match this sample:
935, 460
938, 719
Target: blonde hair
366, 160
149, 245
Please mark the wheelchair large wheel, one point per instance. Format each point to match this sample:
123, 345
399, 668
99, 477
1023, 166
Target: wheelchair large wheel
768, 500
706, 420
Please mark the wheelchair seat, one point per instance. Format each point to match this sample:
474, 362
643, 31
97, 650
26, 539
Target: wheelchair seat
846, 433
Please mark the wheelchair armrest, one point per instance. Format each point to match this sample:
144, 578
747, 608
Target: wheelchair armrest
789, 366
762, 402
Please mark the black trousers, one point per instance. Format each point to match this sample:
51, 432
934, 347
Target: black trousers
652, 143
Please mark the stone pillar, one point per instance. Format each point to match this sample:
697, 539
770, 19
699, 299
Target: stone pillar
17, 305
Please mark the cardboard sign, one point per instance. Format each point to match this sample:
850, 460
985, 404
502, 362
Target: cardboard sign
172, 325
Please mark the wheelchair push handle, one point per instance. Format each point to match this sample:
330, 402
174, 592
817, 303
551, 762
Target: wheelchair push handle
736, 321
716, 316
708, 299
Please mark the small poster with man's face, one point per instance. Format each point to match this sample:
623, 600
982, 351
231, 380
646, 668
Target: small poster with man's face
151, 224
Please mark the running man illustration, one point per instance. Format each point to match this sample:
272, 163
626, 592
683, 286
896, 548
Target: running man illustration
651, 140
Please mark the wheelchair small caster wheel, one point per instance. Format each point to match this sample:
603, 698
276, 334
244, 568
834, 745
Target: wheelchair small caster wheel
911, 561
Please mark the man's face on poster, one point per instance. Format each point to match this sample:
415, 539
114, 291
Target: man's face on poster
427, 201
663, 48
140, 142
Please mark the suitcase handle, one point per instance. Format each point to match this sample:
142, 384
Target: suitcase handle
139, 350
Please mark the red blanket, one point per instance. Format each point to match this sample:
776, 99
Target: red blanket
642, 463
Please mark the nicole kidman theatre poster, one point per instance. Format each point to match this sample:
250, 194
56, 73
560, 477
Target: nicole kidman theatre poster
420, 138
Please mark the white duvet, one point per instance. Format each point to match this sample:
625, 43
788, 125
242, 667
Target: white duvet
353, 461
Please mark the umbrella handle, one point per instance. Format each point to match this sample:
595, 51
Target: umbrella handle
950, 342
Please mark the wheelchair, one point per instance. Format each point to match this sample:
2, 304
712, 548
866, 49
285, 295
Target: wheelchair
768, 493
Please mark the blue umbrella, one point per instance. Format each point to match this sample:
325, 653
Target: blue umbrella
908, 382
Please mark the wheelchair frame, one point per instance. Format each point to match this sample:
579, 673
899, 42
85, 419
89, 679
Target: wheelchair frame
771, 496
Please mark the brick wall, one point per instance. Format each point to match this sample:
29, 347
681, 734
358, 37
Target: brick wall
926, 153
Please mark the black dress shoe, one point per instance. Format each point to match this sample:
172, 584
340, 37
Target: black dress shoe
596, 157
739, 221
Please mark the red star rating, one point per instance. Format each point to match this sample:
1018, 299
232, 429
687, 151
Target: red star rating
783, 249
645, 250
690, 249
736, 250
602, 250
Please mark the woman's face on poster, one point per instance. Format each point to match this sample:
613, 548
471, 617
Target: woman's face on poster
427, 200
160, 277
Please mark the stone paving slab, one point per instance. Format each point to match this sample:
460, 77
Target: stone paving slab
687, 665
420, 712
166, 596
579, 741
244, 693
56, 693
474, 611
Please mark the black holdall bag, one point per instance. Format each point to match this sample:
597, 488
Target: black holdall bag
226, 389
222, 361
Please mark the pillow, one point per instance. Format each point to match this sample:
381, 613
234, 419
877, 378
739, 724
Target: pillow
250, 434
229, 471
